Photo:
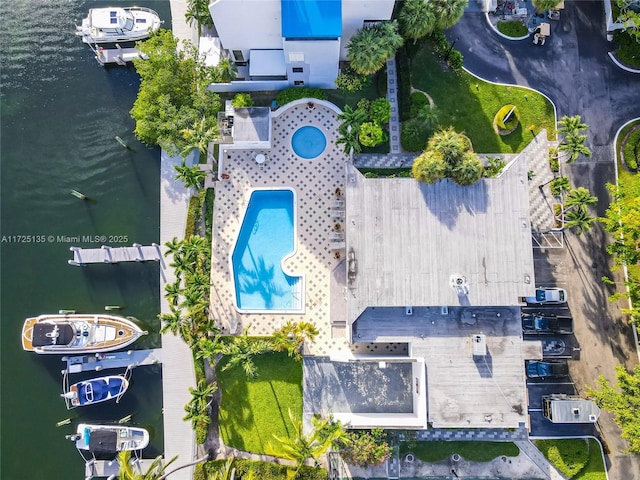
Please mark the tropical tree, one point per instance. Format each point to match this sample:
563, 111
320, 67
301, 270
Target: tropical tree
468, 171
241, 100
416, 19
366, 448
570, 125
207, 347
380, 111
292, 335
623, 401
350, 141
226, 70
241, 351
447, 12
192, 177
560, 185
198, 12
300, 446
370, 47
199, 136
579, 198
351, 119
451, 145
172, 291
174, 322
578, 220
429, 167
573, 145
156, 470
428, 115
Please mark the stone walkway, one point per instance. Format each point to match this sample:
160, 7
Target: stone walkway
530, 450
474, 434
392, 96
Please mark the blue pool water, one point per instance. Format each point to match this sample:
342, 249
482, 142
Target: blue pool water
308, 142
266, 238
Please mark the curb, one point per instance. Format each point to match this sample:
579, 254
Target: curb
618, 64
624, 266
506, 37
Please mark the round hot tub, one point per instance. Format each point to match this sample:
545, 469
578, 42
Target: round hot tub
308, 142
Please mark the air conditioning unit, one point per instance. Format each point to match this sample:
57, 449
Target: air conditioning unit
459, 284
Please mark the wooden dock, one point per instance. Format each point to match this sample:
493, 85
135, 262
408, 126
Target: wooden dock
109, 468
106, 254
120, 56
105, 361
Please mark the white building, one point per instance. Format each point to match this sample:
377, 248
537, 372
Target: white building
281, 43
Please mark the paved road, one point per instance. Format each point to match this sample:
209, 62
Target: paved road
574, 70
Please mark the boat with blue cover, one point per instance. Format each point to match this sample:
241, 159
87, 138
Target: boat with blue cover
95, 390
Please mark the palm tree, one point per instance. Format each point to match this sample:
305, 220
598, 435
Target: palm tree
579, 220
194, 302
579, 198
416, 19
207, 347
174, 322
300, 446
389, 37
172, 291
156, 470
569, 125
350, 141
351, 119
365, 52
192, 177
226, 70
573, 144
292, 336
469, 170
451, 145
428, 115
429, 167
241, 351
198, 11
559, 185
447, 12
199, 136
173, 246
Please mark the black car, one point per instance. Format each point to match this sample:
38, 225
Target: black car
538, 369
546, 324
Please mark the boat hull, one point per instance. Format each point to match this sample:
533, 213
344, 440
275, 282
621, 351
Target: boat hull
113, 25
96, 390
78, 333
107, 440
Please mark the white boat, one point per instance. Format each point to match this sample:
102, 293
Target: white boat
118, 25
95, 390
103, 442
78, 333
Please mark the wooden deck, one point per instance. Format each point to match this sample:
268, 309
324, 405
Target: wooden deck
106, 254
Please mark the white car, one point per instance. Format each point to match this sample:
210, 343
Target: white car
548, 295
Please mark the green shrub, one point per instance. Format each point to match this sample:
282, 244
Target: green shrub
194, 210
513, 28
351, 81
569, 456
418, 100
201, 431
296, 93
380, 111
494, 167
381, 82
240, 100
371, 134
366, 448
514, 119
554, 162
440, 42
632, 151
455, 60
414, 135
628, 49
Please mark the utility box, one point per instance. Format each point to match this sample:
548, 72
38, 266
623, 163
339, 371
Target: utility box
479, 345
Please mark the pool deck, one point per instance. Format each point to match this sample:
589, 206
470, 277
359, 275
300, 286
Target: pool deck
315, 182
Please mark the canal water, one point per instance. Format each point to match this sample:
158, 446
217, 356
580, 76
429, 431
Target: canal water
60, 113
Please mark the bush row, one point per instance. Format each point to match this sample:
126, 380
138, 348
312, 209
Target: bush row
296, 93
261, 470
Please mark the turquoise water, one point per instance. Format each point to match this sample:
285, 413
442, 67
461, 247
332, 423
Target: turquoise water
265, 239
60, 113
308, 142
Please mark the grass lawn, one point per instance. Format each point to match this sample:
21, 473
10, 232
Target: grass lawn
474, 451
469, 105
577, 459
253, 411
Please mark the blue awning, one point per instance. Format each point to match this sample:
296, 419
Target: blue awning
311, 18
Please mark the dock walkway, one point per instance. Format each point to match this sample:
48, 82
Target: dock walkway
106, 254
107, 468
106, 361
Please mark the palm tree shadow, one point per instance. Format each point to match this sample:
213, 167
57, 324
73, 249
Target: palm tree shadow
261, 281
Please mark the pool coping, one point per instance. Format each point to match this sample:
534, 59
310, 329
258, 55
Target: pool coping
301, 275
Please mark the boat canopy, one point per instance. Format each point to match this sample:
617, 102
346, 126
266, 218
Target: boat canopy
107, 18
45, 334
102, 441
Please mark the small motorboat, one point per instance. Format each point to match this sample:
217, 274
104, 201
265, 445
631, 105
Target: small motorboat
95, 390
78, 333
103, 442
118, 25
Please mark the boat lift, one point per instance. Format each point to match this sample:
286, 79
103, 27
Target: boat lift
118, 55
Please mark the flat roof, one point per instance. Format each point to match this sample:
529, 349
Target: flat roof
251, 124
267, 63
410, 240
464, 390
311, 18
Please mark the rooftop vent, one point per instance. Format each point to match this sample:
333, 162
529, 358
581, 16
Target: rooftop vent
408, 310
479, 345
576, 411
593, 418
459, 284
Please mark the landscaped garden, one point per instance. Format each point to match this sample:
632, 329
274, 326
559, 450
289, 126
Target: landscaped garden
470, 105
474, 451
253, 411
576, 459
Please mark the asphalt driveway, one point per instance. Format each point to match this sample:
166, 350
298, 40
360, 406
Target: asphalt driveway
574, 70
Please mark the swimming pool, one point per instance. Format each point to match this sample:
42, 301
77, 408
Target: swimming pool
266, 239
308, 142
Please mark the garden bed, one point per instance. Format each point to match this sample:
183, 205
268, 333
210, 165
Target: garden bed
436, 451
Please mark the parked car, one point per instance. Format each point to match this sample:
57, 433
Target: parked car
538, 369
548, 295
546, 324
